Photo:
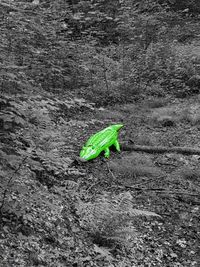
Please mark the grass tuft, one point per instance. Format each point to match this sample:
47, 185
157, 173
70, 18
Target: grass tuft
189, 173
109, 219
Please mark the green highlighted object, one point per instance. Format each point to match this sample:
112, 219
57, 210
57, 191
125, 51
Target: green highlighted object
101, 141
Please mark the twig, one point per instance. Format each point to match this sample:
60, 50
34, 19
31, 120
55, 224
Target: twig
13, 67
11, 8
163, 190
109, 170
94, 184
105, 75
149, 181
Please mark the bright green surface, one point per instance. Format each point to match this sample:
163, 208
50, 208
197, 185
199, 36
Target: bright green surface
101, 141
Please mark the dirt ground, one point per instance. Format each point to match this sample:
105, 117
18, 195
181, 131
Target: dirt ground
174, 193
48, 232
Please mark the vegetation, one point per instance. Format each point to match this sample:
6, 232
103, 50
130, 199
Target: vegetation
62, 64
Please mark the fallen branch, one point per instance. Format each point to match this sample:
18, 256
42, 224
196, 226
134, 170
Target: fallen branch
161, 149
158, 190
8, 7
11, 8
148, 181
13, 67
112, 174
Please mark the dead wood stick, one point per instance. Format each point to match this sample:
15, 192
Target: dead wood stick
8, 7
161, 149
158, 190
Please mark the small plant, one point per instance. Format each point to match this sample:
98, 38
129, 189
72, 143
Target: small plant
190, 173
166, 116
185, 115
108, 220
155, 90
191, 114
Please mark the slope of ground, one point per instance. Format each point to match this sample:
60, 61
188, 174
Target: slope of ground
47, 190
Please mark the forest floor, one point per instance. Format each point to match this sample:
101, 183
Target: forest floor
171, 187
168, 184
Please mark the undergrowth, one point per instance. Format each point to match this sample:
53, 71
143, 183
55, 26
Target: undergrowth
109, 219
33, 148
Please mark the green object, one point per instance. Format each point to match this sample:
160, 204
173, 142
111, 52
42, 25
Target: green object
101, 141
